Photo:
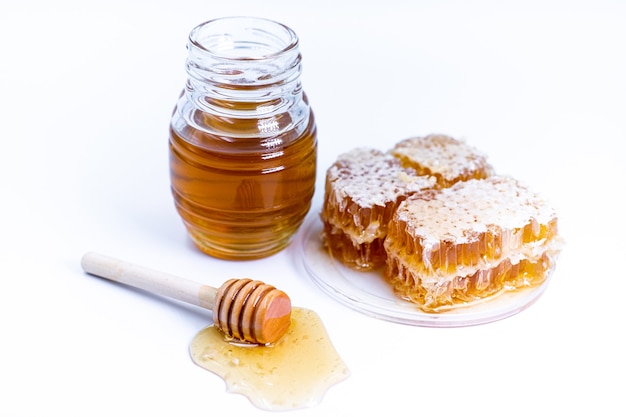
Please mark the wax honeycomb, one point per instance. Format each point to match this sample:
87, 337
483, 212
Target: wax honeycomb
363, 189
448, 159
453, 246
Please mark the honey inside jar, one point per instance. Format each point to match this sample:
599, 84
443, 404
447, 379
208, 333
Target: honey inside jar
242, 197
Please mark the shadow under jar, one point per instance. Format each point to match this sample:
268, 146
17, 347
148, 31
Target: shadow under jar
243, 139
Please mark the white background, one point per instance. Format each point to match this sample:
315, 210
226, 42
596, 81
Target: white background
87, 89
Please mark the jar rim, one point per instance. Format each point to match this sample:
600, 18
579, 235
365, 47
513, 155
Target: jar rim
243, 38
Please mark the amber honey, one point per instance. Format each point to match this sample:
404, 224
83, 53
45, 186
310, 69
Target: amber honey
242, 197
293, 373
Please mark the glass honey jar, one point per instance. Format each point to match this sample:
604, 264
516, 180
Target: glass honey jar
243, 139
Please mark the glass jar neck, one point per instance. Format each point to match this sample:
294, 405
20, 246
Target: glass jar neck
243, 65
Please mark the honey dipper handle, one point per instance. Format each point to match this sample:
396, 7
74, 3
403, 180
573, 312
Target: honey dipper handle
149, 280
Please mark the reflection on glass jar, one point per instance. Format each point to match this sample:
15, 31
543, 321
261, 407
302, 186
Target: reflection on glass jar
243, 139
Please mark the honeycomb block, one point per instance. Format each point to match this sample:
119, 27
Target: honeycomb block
449, 160
363, 190
456, 245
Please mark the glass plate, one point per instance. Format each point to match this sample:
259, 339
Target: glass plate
368, 293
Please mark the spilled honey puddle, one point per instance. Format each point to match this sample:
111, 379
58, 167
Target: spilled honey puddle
295, 372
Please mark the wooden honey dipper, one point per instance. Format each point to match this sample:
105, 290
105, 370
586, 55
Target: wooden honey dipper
243, 309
